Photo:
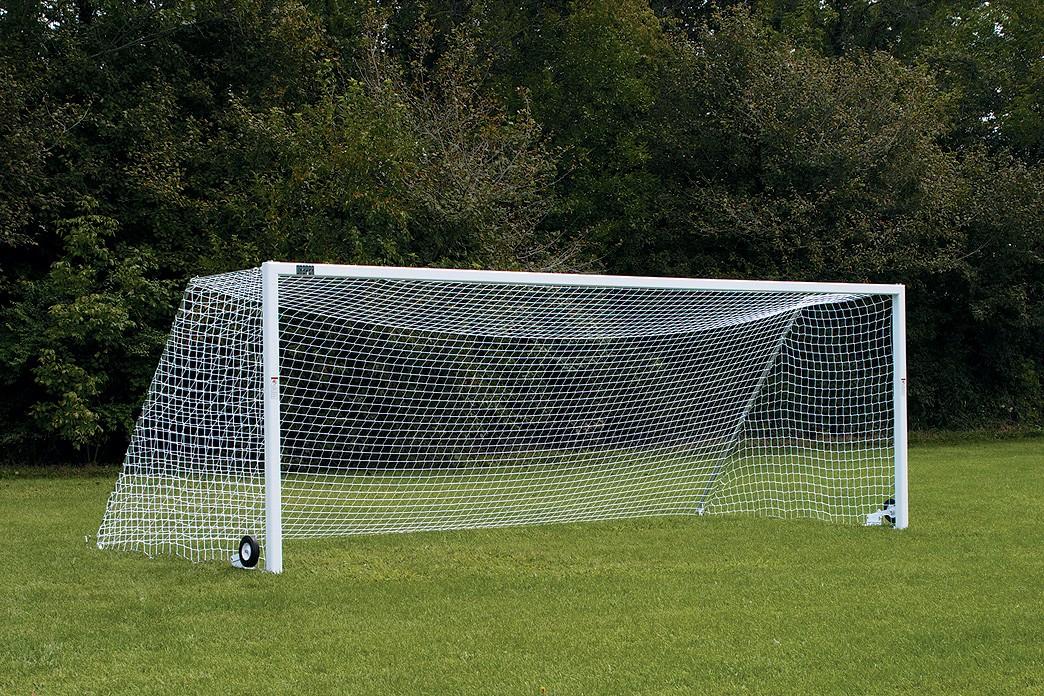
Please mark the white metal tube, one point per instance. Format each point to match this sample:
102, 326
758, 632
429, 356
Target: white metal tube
273, 483
902, 502
587, 280
272, 270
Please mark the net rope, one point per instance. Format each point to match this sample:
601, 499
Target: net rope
411, 405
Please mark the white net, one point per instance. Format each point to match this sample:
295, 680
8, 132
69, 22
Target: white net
426, 404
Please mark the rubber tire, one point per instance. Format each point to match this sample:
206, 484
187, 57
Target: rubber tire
249, 551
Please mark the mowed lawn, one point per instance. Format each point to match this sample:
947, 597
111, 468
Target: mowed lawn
955, 604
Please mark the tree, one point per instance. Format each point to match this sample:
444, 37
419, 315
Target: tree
80, 344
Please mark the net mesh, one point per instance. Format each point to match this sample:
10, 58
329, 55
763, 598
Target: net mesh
434, 405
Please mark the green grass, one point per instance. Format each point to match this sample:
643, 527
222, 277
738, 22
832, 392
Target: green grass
955, 604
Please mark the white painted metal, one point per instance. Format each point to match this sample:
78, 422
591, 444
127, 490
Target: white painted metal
902, 503
273, 484
272, 270
588, 280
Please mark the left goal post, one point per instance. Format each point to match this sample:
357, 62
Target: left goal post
273, 456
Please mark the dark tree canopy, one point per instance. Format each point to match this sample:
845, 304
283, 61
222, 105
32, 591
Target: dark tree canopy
142, 143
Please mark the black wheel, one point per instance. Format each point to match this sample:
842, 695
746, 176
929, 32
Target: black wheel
249, 551
887, 504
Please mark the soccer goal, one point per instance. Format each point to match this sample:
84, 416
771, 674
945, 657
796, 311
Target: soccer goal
298, 401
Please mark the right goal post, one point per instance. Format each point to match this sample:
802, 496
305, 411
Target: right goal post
899, 429
315, 400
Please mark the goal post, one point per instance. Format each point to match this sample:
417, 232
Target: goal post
270, 272
315, 400
902, 502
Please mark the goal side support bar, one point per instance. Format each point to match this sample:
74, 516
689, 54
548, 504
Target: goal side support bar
745, 414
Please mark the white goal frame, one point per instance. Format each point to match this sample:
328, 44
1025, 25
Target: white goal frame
272, 271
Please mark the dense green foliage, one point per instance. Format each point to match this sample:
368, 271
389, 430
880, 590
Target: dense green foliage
142, 143
655, 606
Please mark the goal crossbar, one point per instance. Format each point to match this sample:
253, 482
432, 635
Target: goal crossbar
577, 279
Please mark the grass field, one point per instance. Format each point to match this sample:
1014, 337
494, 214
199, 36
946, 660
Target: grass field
955, 604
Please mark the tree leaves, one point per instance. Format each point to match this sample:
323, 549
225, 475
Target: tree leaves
144, 143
